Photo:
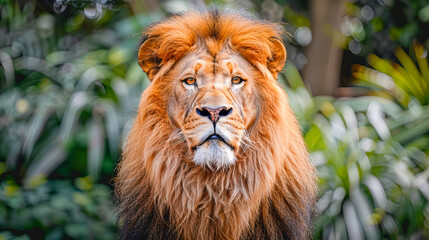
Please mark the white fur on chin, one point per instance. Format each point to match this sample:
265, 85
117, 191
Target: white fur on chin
214, 155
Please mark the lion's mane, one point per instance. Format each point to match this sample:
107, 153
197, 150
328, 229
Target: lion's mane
270, 191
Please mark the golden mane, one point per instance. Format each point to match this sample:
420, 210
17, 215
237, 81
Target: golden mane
171, 39
268, 194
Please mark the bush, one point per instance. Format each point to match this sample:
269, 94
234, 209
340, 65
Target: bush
373, 177
66, 97
402, 83
56, 209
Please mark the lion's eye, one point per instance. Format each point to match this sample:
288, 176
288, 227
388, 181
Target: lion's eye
236, 80
190, 81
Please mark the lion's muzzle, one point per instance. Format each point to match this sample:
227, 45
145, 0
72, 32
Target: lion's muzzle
211, 130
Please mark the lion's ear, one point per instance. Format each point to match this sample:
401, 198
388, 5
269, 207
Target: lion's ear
148, 59
278, 57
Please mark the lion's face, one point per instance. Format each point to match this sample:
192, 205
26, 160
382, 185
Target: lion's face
213, 102
209, 76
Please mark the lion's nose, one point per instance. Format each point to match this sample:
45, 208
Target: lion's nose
214, 113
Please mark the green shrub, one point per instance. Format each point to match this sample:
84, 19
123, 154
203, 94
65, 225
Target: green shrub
402, 83
66, 97
373, 177
56, 209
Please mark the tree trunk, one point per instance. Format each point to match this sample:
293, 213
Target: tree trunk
322, 73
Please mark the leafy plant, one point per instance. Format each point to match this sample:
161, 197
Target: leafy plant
65, 98
56, 210
403, 83
373, 177
380, 26
371, 184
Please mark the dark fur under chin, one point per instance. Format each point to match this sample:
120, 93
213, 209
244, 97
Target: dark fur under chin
273, 221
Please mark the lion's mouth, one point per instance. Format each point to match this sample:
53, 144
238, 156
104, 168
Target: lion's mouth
217, 137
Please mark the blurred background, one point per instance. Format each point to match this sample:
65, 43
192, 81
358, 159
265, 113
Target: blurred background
357, 77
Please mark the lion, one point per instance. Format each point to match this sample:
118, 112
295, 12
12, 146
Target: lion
215, 151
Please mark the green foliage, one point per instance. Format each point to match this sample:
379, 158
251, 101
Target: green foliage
368, 180
65, 97
381, 26
56, 210
373, 177
403, 83
68, 91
